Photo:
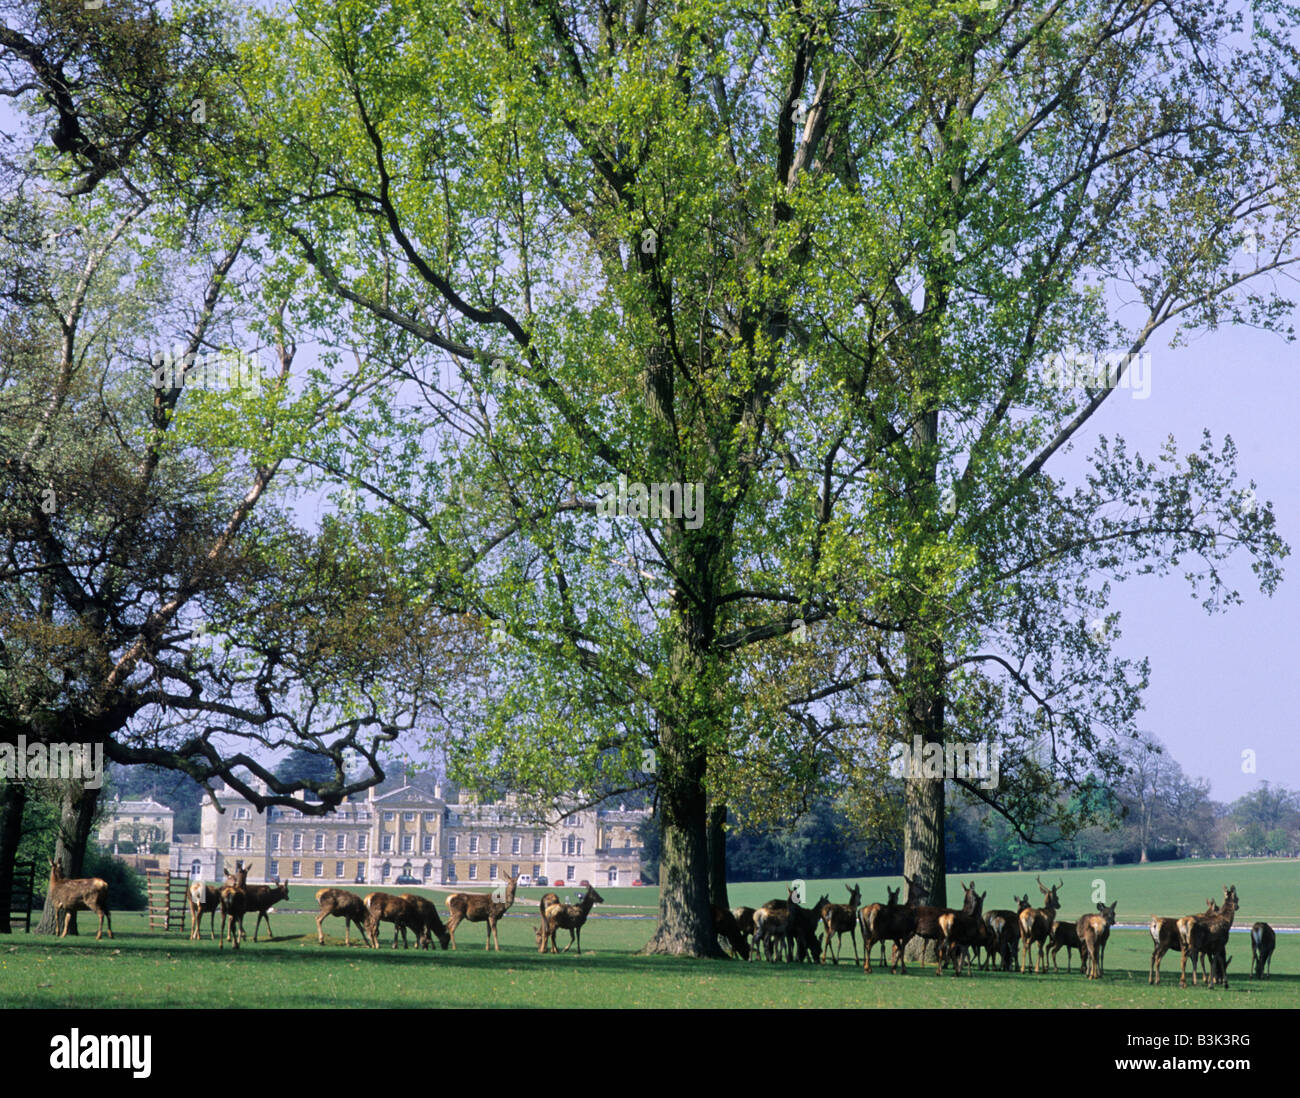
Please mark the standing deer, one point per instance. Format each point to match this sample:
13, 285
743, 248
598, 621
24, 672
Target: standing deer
384, 907
839, 918
1005, 928
570, 917
1092, 932
744, 917
891, 922
1262, 941
261, 898
1206, 936
963, 931
477, 908
1164, 936
1036, 924
345, 905
771, 923
801, 928
69, 894
234, 902
927, 919
205, 899
1063, 935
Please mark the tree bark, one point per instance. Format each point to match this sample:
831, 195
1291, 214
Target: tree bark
718, 856
77, 815
13, 799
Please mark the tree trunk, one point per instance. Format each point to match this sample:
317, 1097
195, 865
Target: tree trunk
718, 856
77, 814
13, 799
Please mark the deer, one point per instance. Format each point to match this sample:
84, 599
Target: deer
234, 901
345, 905
69, 894
1005, 927
963, 931
801, 927
725, 926
1164, 935
1063, 935
839, 918
204, 899
384, 907
1262, 941
892, 922
260, 899
478, 908
744, 917
1091, 931
426, 922
570, 917
1036, 924
1203, 935
771, 922
927, 918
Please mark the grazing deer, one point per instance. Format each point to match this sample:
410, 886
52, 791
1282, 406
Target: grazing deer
963, 931
345, 905
1206, 936
261, 898
426, 922
801, 928
1063, 935
1036, 924
234, 902
570, 917
725, 926
1262, 941
1164, 935
1092, 932
69, 894
477, 908
839, 918
744, 917
1219, 969
384, 907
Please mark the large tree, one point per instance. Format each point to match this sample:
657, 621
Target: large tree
812, 259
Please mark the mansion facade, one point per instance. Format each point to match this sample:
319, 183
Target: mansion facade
420, 833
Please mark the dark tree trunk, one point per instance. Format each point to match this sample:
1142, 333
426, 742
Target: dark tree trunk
77, 814
13, 799
718, 856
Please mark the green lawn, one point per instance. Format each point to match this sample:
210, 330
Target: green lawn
142, 968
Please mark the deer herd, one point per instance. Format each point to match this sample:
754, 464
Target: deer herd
780, 929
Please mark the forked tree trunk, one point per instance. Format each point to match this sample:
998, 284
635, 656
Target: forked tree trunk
76, 816
13, 799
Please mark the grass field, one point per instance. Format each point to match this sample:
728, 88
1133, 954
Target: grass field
141, 968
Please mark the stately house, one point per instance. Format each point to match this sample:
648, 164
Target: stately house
141, 823
414, 831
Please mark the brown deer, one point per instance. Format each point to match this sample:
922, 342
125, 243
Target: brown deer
839, 918
1005, 927
744, 917
801, 928
725, 926
345, 905
261, 898
771, 922
892, 922
426, 922
1164, 936
384, 907
1091, 931
477, 908
234, 902
570, 917
963, 931
927, 919
1036, 924
1262, 941
69, 894
1063, 935
1206, 936
204, 899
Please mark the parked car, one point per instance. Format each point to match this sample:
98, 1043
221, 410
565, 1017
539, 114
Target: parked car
557, 884
584, 884
542, 882
637, 883
406, 880
525, 880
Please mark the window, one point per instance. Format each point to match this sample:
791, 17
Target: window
275, 843
428, 817
240, 814
514, 871
388, 817
407, 843
340, 842
239, 839
297, 840
272, 868
385, 871
579, 848
451, 873
537, 870
570, 875
409, 817
451, 845
297, 869
363, 842
514, 845
320, 870
338, 869
427, 845
428, 870
613, 875
320, 840
473, 844
537, 844
386, 843
492, 872
473, 871
494, 845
